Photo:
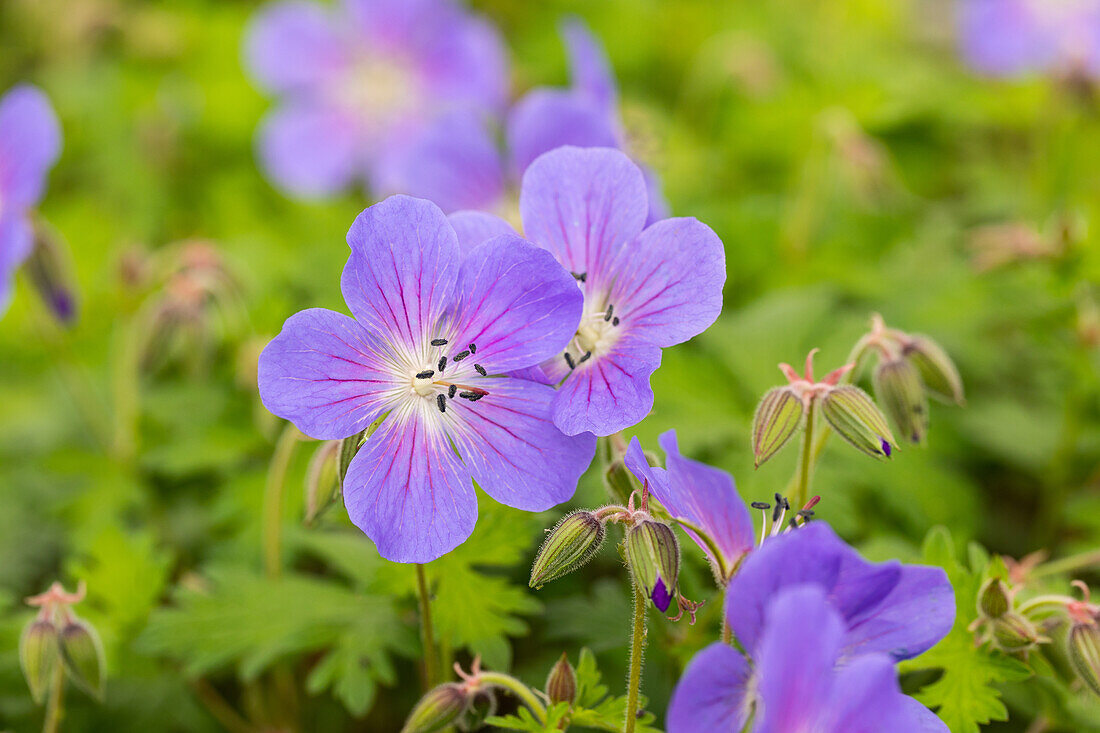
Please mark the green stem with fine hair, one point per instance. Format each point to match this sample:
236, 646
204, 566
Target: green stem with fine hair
517, 688
1067, 564
806, 460
637, 649
55, 706
273, 500
427, 633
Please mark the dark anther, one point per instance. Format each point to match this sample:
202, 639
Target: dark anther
473, 348
481, 370
580, 277
442, 402
442, 363
569, 360
792, 523
586, 357
806, 513
777, 512
763, 505
471, 396
610, 312
439, 342
451, 391
460, 356
615, 321
426, 374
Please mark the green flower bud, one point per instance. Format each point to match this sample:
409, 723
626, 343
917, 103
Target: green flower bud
994, 600
937, 371
50, 271
854, 416
440, 707
1083, 647
1013, 633
39, 655
653, 554
561, 683
349, 447
777, 417
898, 387
620, 482
82, 652
568, 546
322, 482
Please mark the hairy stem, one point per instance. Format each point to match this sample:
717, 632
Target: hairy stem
637, 649
1067, 564
427, 633
517, 688
273, 500
55, 706
806, 461
727, 632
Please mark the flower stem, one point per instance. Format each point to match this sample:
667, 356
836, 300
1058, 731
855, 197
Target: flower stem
806, 461
1067, 564
727, 632
273, 500
517, 688
427, 633
55, 705
637, 649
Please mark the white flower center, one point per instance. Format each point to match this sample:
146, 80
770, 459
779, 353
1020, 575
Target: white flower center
378, 90
597, 333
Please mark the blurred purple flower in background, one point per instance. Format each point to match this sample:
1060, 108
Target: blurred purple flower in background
457, 163
30, 142
435, 334
701, 494
795, 684
801, 603
361, 80
1016, 37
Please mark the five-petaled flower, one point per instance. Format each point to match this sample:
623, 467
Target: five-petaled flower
802, 603
30, 141
438, 339
1015, 37
645, 288
362, 80
457, 163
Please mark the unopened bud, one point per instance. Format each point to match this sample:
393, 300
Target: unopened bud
653, 554
39, 655
50, 272
898, 386
349, 447
1083, 646
561, 684
440, 707
937, 370
1014, 633
568, 546
82, 652
620, 482
777, 418
322, 484
994, 599
854, 416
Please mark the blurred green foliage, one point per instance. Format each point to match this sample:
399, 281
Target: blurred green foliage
845, 157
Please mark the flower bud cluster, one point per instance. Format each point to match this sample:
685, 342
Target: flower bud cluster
847, 409
57, 637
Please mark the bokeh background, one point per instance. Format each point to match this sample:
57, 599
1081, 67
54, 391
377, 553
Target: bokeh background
850, 162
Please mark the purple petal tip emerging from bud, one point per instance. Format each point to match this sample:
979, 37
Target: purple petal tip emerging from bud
660, 596
886, 448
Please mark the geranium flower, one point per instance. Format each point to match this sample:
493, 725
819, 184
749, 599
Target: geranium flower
30, 142
435, 334
795, 684
645, 288
703, 495
361, 80
1015, 37
457, 163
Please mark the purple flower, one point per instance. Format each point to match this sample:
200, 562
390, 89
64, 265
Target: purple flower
30, 141
795, 683
360, 82
456, 161
1015, 37
645, 288
435, 334
701, 494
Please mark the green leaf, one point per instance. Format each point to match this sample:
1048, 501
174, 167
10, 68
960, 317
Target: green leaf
966, 695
